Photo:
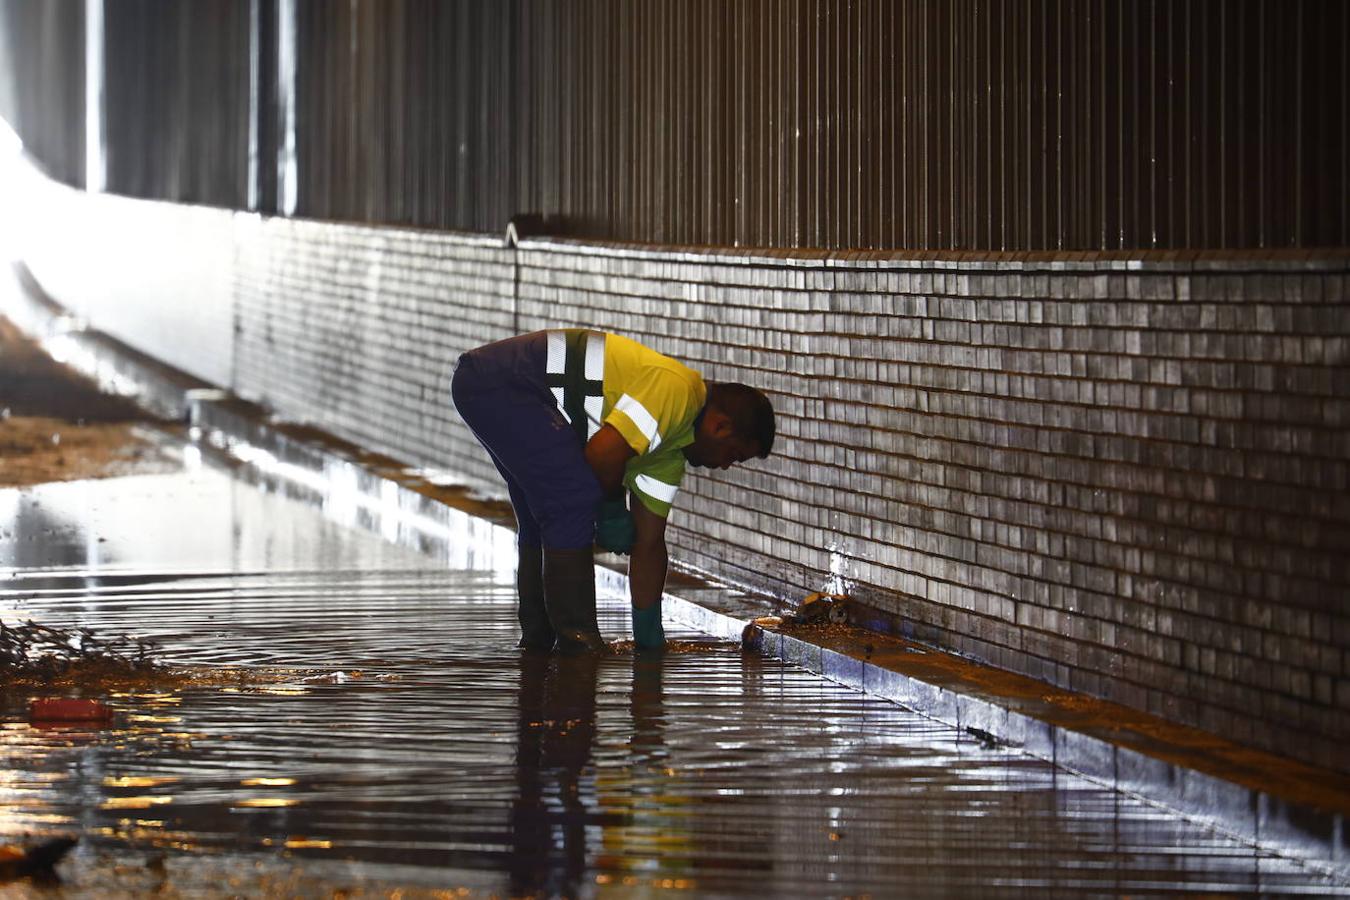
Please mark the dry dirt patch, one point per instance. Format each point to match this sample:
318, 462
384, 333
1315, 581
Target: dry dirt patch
55, 424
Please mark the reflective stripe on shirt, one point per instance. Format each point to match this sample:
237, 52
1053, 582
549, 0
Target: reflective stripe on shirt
595, 357
593, 374
642, 419
557, 353
562, 408
658, 490
595, 410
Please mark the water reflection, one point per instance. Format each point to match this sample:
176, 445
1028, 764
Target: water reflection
428, 750
555, 775
647, 706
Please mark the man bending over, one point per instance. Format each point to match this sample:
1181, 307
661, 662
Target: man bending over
575, 420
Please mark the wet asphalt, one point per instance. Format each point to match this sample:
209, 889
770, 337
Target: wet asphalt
395, 735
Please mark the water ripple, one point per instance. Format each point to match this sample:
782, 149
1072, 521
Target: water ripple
430, 751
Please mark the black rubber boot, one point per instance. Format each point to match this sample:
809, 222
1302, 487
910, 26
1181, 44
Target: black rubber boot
535, 631
569, 595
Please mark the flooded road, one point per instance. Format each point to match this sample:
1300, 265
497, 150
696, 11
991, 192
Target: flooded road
401, 739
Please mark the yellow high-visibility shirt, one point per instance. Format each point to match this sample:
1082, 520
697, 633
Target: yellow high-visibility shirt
650, 399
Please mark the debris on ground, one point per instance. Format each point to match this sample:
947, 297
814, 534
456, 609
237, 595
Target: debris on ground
40, 450
820, 609
56, 425
624, 647
33, 655
68, 709
38, 860
43, 654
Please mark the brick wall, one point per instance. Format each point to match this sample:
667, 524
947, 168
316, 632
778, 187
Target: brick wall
356, 330
1123, 476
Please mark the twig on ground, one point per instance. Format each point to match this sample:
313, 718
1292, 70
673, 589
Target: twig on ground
34, 652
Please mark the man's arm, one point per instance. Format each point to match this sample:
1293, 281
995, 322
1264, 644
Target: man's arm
647, 565
608, 453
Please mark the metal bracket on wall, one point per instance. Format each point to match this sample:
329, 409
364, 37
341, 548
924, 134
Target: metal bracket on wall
521, 226
528, 225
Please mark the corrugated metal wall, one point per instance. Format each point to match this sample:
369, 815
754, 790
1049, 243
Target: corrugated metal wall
177, 107
405, 112
42, 81
953, 125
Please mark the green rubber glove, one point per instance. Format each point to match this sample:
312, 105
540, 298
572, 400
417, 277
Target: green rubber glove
614, 526
647, 631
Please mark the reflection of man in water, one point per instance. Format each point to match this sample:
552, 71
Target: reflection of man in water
592, 433
647, 704
557, 799
555, 734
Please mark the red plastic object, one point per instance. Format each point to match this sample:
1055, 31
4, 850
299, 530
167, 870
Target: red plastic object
68, 709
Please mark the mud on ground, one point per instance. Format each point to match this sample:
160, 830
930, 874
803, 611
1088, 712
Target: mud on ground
55, 424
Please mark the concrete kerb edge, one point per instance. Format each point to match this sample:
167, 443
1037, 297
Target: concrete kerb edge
1312, 836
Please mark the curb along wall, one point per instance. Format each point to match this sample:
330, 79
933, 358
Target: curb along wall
1126, 477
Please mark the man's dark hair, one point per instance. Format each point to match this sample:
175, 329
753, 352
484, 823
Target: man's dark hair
750, 411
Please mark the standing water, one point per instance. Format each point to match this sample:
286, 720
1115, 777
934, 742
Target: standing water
387, 733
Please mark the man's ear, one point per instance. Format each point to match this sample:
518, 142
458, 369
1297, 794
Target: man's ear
721, 425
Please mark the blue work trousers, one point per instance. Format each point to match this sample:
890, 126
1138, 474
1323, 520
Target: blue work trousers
500, 392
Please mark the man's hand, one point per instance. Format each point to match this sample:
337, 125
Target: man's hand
608, 453
614, 529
